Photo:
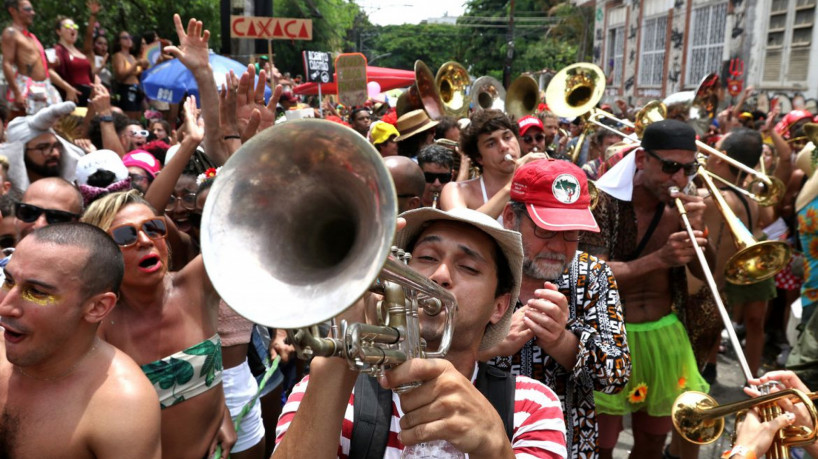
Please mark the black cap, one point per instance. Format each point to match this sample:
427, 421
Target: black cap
669, 135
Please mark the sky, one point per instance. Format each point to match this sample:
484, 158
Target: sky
389, 12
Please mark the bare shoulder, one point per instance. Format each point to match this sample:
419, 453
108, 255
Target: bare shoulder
125, 389
125, 381
9, 33
460, 194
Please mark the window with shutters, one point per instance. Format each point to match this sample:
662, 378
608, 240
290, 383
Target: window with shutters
789, 40
706, 38
616, 54
652, 55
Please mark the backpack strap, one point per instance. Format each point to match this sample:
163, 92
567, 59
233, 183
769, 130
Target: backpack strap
499, 388
372, 410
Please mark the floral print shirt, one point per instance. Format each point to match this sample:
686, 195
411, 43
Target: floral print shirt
603, 358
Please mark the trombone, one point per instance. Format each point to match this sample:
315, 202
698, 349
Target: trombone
576, 89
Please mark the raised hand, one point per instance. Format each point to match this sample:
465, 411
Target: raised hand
251, 112
192, 50
192, 129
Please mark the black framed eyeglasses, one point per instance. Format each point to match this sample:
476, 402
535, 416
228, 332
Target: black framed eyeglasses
30, 213
671, 167
46, 148
127, 235
432, 176
538, 138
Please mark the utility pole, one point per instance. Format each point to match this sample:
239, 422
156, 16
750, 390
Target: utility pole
510, 44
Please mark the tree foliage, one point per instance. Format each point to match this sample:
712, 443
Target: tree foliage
333, 24
135, 16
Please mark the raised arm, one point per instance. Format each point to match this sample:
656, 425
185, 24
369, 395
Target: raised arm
100, 103
88, 41
194, 53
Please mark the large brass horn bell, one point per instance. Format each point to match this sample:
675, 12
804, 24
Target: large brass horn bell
522, 97
453, 82
423, 94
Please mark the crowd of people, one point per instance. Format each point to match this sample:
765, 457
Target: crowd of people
581, 298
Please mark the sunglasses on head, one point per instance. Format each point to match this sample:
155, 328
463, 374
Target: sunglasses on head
432, 176
671, 167
29, 214
127, 235
538, 138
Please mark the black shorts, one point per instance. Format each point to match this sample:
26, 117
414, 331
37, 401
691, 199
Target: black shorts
129, 97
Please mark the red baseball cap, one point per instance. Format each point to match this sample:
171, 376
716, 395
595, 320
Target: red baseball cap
527, 122
555, 194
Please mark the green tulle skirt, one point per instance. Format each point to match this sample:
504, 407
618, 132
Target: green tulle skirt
663, 366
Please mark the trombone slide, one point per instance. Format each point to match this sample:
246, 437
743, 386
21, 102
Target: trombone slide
711, 283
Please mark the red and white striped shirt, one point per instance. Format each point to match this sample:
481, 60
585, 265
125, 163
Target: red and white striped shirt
539, 428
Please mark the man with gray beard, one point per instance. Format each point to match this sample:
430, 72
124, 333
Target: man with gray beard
567, 330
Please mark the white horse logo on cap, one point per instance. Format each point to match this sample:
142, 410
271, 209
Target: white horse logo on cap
566, 189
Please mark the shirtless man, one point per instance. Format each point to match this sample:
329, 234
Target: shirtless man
743, 145
642, 239
64, 393
490, 141
25, 66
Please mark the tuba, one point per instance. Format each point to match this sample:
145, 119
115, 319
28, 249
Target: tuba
423, 94
291, 260
452, 82
522, 97
488, 92
699, 107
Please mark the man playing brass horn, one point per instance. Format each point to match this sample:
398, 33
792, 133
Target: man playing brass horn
470, 255
642, 239
490, 141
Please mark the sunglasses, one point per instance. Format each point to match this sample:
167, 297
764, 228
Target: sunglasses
125, 37
29, 214
671, 167
71, 26
127, 235
140, 133
27, 9
539, 138
432, 176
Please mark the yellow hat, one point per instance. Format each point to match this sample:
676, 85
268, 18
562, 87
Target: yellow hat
382, 131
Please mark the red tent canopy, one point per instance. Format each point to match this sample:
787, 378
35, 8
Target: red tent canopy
387, 78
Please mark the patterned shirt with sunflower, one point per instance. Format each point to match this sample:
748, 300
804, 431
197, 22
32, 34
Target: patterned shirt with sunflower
603, 358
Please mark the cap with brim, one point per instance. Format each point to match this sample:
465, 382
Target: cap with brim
381, 131
508, 241
412, 123
669, 135
527, 122
555, 194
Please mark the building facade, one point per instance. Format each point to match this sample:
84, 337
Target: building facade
650, 49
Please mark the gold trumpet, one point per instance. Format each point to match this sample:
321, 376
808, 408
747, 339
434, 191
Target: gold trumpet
700, 419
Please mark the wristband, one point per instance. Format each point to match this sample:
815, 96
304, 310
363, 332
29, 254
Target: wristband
230, 137
739, 450
106, 119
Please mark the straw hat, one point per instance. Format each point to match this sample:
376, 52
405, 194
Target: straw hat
412, 123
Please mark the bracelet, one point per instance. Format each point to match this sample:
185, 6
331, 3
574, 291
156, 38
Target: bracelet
230, 137
106, 119
739, 450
